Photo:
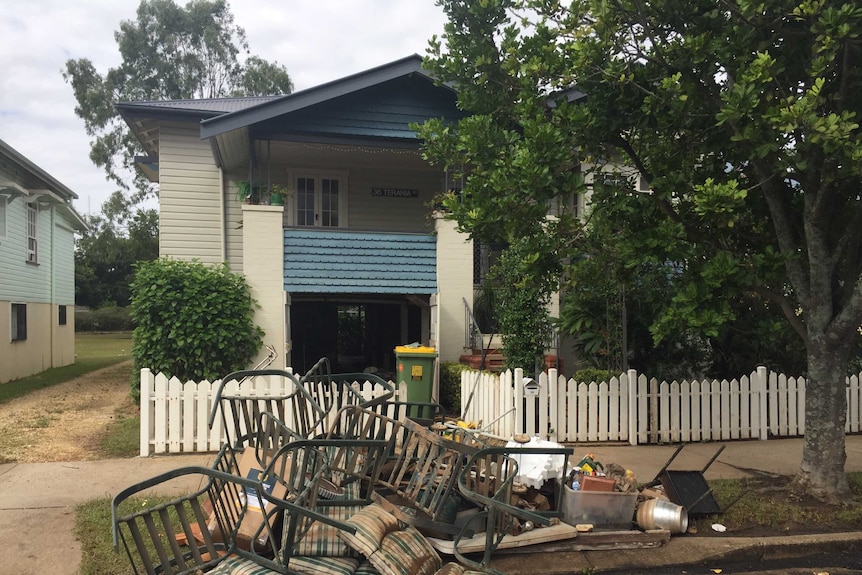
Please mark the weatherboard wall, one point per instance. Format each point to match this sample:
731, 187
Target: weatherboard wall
370, 208
190, 207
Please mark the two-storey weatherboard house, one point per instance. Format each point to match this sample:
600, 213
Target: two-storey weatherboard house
355, 262
37, 268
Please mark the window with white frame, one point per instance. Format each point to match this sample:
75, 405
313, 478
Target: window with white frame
3, 202
32, 234
319, 201
19, 321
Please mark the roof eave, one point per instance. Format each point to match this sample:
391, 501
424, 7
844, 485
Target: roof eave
36, 171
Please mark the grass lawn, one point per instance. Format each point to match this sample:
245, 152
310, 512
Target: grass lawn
93, 529
92, 352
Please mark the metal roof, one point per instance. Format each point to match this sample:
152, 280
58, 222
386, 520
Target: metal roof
209, 106
332, 261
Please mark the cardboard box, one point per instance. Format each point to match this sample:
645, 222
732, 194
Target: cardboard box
256, 504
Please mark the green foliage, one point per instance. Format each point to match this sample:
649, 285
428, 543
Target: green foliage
105, 254
110, 318
593, 375
524, 280
745, 124
195, 321
450, 386
168, 52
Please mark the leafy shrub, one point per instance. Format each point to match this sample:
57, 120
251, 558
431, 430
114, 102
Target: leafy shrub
195, 321
524, 278
450, 386
104, 319
592, 374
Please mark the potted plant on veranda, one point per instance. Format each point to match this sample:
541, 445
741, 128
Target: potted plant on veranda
247, 192
277, 194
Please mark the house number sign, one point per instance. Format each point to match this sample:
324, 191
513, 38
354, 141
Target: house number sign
394, 193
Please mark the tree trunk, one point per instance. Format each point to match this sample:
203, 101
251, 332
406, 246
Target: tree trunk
821, 473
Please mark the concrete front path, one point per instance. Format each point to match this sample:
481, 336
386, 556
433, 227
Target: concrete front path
38, 500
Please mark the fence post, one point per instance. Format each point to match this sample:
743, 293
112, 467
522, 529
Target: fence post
762, 377
518, 387
632, 377
146, 413
554, 404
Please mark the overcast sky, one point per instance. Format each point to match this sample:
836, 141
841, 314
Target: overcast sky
317, 40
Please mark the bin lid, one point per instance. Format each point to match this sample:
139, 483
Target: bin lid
419, 349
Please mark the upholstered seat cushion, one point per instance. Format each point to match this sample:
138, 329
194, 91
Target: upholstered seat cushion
322, 540
392, 547
236, 565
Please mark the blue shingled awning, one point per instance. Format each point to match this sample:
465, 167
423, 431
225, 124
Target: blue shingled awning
331, 261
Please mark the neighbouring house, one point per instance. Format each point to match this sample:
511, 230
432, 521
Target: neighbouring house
321, 198
37, 268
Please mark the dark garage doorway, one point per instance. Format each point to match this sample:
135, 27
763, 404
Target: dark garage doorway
353, 334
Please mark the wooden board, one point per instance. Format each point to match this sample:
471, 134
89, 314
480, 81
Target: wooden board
476, 544
603, 540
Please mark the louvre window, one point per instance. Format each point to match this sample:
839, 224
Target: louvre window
3, 201
19, 321
32, 237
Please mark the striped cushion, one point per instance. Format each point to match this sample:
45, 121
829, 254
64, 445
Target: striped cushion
322, 540
366, 568
236, 565
406, 552
323, 565
452, 568
372, 524
392, 548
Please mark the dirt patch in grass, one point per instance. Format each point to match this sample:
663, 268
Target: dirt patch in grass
68, 421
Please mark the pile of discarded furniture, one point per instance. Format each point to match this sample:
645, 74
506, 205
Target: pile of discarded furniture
323, 480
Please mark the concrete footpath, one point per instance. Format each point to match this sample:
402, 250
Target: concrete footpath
37, 507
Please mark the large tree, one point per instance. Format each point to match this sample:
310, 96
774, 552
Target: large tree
106, 253
168, 52
742, 118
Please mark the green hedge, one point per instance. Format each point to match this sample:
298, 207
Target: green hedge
195, 321
450, 386
590, 375
104, 319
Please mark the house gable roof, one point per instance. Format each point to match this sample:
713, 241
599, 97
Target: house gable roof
374, 107
34, 182
305, 99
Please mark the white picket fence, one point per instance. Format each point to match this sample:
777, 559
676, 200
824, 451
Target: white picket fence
629, 408
175, 414
635, 409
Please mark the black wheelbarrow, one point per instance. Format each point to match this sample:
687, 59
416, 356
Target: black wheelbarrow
688, 488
